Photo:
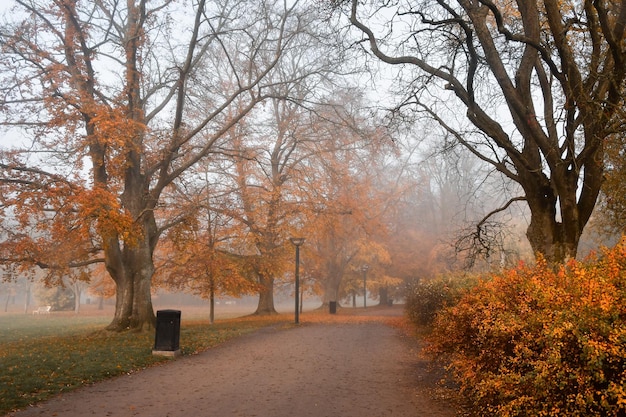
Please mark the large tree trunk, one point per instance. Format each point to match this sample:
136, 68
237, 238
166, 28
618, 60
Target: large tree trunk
123, 303
132, 268
383, 294
555, 241
558, 213
133, 303
331, 289
131, 264
266, 296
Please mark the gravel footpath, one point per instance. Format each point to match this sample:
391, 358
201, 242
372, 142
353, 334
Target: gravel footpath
349, 369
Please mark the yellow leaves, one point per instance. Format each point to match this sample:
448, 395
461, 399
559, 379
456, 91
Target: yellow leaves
114, 134
103, 206
114, 127
388, 281
556, 337
618, 392
198, 261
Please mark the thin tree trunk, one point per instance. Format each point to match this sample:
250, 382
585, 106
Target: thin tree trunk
77, 293
27, 301
212, 303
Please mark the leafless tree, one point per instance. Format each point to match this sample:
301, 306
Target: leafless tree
540, 84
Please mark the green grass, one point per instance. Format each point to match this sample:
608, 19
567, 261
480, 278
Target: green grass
43, 356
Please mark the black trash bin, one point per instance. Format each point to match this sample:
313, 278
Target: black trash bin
167, 336
333, 307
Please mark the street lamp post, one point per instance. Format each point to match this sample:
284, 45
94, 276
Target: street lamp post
297, 242
364, 268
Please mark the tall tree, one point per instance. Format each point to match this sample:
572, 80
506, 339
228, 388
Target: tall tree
138, 92
542, 86
345, 203
196, 256
270, 188
271, 152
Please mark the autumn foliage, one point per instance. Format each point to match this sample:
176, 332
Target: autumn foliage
535, 341
426, 298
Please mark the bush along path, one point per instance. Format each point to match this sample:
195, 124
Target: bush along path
542, 341
340, 365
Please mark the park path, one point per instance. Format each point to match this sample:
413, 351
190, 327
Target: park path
350, 369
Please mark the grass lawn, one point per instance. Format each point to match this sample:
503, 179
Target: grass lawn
41, 356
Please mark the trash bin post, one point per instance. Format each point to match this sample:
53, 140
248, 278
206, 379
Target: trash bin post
167, 333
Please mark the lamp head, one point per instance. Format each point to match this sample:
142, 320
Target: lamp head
297, 241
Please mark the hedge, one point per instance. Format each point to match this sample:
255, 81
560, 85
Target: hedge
541, 341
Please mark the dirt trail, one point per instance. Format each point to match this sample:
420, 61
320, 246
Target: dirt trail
349, 369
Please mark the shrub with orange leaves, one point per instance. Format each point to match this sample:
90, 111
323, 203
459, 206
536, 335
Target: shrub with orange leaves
425, 298
540, 341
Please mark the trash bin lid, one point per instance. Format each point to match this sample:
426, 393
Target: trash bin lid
168, 313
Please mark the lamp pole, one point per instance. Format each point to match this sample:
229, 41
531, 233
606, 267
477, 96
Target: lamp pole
364, 268
297, 242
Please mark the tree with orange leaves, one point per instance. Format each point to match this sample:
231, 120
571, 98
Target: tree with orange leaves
279, 178
268, 184
347, 204
196, 255
116, 104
